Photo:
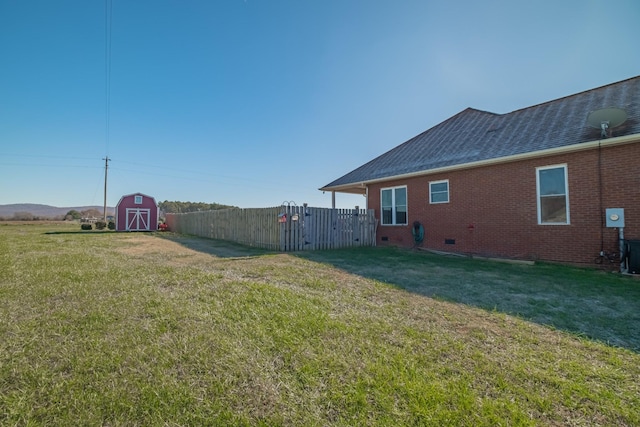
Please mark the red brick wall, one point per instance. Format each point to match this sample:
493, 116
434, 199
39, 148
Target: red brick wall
492, 210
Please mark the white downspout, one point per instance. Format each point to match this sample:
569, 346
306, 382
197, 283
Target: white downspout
366, 197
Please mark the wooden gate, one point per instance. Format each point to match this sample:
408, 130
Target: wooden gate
304, 228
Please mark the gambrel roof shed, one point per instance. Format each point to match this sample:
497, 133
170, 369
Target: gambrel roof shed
476, 138
136, 212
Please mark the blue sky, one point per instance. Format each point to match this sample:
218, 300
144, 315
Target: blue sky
256, 102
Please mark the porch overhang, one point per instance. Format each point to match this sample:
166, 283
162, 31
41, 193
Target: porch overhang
352, 188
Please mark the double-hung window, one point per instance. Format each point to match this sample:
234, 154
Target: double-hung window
394, 205
553, 194
439, 191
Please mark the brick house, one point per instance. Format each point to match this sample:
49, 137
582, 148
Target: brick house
533, 184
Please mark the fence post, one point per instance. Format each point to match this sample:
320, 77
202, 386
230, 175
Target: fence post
283, 232
355, 226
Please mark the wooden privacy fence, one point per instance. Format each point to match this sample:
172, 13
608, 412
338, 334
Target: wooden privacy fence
284, 228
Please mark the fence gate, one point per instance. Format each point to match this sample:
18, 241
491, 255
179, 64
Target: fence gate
306, 228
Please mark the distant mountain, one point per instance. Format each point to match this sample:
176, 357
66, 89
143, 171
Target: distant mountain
46, 211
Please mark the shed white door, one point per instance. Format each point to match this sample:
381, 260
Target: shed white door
138, 219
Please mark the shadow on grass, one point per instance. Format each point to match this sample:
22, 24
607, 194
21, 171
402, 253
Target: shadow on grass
94, 232
585, 302
217, 248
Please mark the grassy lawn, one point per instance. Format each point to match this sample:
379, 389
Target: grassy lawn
595, 304
139, 329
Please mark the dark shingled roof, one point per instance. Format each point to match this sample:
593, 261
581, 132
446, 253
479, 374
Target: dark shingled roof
473, 135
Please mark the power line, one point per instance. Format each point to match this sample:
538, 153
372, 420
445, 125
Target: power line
188, 171
57, 165
182, 173
46, 156
108, 7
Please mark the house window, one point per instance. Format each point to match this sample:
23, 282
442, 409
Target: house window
553, 195
137, 200
439, 191
394, 206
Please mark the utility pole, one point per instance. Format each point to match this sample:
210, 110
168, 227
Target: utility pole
106, 168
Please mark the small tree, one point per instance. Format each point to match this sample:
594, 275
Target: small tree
72, 215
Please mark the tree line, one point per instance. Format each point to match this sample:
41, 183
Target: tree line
28, 216
184, 207
166, 207
69, 216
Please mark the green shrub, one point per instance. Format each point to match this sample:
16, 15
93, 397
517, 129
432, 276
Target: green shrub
86, 226
111, 225
101, 225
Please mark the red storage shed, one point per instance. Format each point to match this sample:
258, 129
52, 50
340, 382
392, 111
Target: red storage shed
136, 212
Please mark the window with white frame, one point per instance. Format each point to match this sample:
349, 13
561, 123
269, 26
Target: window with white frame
439, 191
393, 203
553, 194
137, 200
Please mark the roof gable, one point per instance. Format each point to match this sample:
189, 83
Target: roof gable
474, 136
131, 196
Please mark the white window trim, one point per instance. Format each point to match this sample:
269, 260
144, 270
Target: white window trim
393, 205
566, 193
448, 191
135, 200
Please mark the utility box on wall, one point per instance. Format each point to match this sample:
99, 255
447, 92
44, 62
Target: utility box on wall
615, 217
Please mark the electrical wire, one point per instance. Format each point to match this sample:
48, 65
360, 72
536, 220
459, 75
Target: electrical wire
108, 9
191, 171
212, 180
206, 175
49, 165
47, 156
182, 174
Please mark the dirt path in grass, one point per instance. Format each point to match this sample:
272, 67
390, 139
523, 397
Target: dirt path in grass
184, 250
